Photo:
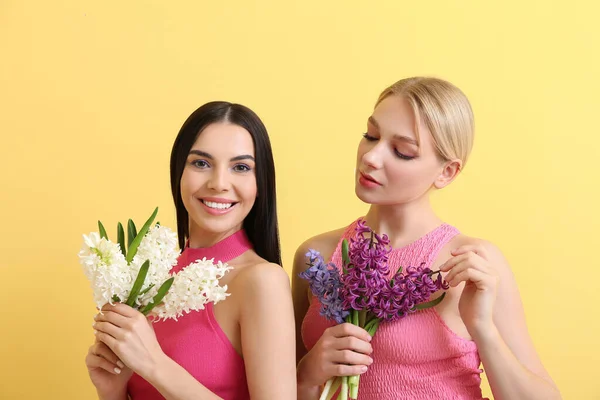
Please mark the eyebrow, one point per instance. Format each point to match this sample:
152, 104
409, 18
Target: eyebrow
403, 138
210, 157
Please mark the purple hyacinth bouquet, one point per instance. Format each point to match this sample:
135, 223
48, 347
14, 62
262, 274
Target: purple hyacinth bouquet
362, 294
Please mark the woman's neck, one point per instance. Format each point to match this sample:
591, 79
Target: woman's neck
200, 238
403, 223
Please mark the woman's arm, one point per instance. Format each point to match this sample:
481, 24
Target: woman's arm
130, 336
325, 244
342, 350
491, 308
301, 304
267, 332
108, 374
175, 383
267, 335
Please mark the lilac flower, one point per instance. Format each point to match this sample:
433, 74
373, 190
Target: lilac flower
362, 227
363, 292
390, 302
369, 252
313, 255
423, 282
405, 291
368, 269
361, 287
364, 287
325, 284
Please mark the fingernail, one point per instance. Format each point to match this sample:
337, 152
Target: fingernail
117, 370
94, 325
370, 361
95, 332
95, 317
363, 368
120, 364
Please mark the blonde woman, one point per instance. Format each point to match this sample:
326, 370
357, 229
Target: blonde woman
418, 139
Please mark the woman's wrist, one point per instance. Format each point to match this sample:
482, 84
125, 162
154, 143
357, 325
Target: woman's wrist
116, 395
486, 335
156, 369
304, 383
307, 391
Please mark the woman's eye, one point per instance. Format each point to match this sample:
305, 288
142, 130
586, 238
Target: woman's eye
403, 156
241, 168
200, 163
369, 137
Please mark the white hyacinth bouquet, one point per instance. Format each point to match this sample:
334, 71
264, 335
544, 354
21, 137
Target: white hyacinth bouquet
139, 275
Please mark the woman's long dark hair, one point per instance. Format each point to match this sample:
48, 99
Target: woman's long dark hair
261, 223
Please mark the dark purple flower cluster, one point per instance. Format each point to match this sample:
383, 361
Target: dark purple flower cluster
364, 284
400, 297
366, 275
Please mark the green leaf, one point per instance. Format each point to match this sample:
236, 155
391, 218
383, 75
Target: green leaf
116, 298
345, 255
370, 317
143, 292
372, 326
121, 238
431, 303
131, 232
139, 282
131, 252
102, 231
162, 291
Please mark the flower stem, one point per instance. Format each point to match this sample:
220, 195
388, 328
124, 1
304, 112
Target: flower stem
336, 385
344, 392
362, 317
352, 379
327, 389
353, 385
354, 388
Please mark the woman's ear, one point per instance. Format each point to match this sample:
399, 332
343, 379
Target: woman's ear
450, 170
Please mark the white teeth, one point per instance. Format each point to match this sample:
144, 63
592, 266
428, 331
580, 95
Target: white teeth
218, 206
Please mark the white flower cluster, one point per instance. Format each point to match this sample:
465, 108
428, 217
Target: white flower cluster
112, 278
106, 268
193, 287
159, 246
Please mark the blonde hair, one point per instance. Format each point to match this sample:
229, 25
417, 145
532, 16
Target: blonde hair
443, 108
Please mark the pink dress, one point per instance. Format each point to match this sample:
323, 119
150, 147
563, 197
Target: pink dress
417, 357
196, 341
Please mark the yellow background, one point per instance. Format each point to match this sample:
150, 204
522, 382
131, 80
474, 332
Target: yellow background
92, 94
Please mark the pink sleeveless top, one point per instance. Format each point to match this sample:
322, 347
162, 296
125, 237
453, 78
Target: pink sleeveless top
417, 357
196, 342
